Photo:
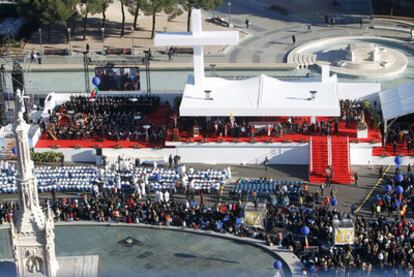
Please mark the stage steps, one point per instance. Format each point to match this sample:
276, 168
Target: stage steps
318, 159
388, 150
340, 160
334, 151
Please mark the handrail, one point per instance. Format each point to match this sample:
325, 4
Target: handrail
349, 155
329, 145
310, 156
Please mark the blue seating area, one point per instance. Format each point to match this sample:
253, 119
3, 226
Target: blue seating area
267, 186
83, 178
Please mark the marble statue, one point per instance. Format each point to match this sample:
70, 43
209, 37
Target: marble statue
32, 232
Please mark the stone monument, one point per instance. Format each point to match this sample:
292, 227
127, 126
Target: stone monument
32, 231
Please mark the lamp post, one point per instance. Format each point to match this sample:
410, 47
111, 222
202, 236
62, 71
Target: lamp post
132, 41
40, 41
103, 40
70, 45
229, 5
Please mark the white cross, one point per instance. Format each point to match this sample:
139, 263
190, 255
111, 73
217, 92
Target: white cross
197, 39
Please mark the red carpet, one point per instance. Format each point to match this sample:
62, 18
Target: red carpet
340, 161
319, 156
92, 143
388, 150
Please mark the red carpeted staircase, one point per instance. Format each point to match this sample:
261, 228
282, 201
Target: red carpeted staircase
319, 159
340, 160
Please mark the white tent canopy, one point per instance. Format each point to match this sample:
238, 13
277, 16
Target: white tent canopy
261, 96
397, 102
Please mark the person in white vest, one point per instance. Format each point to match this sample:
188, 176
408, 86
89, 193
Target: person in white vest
166, 196
228, 172
118, 181
143, 191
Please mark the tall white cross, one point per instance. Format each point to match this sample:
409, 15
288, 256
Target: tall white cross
197, 39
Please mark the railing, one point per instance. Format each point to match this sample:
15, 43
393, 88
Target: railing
349, 155
329, 145
310, 156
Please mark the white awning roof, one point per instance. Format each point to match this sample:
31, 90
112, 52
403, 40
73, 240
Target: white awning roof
261, 96
397, 102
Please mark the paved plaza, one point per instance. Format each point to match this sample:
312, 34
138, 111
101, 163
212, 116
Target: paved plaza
156, 252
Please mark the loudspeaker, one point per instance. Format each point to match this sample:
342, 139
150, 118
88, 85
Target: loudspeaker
17, 77
98, 151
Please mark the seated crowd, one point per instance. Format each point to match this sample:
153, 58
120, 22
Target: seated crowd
106, 117
352, 112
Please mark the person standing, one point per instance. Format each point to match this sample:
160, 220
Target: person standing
266, 163
293, 39
247, 23
356, 178
309, 30
170, 161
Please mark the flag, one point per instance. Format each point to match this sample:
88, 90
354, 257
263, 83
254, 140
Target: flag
94, 92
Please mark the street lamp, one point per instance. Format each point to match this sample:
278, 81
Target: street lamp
132, 41
70, 45
103, 40
40, 41
229, 5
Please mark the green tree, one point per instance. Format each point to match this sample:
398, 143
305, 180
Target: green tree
58, 12
41, 12
89, 7
198, 4
32, 10
105, 4
152, 7
123, 17
133, 7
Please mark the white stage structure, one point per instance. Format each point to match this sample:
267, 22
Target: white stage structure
262, 96
197, 39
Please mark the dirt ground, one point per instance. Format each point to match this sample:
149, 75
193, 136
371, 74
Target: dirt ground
139, 39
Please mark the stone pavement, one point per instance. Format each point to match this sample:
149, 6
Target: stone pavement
270, 33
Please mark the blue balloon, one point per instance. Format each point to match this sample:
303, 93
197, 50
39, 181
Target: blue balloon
388, 197
305, 230
14, 150
308, 211
397, 203
96, 81
399, 178
399, 189
333, 202
388, 188
277, 265
132, 77
398, 161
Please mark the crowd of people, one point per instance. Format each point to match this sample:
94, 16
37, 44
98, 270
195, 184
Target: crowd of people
106, 117
382, 244
401, 134
352, 112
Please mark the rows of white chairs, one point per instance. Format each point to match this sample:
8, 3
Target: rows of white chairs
82, 178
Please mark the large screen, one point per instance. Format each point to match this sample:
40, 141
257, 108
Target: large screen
118, 78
